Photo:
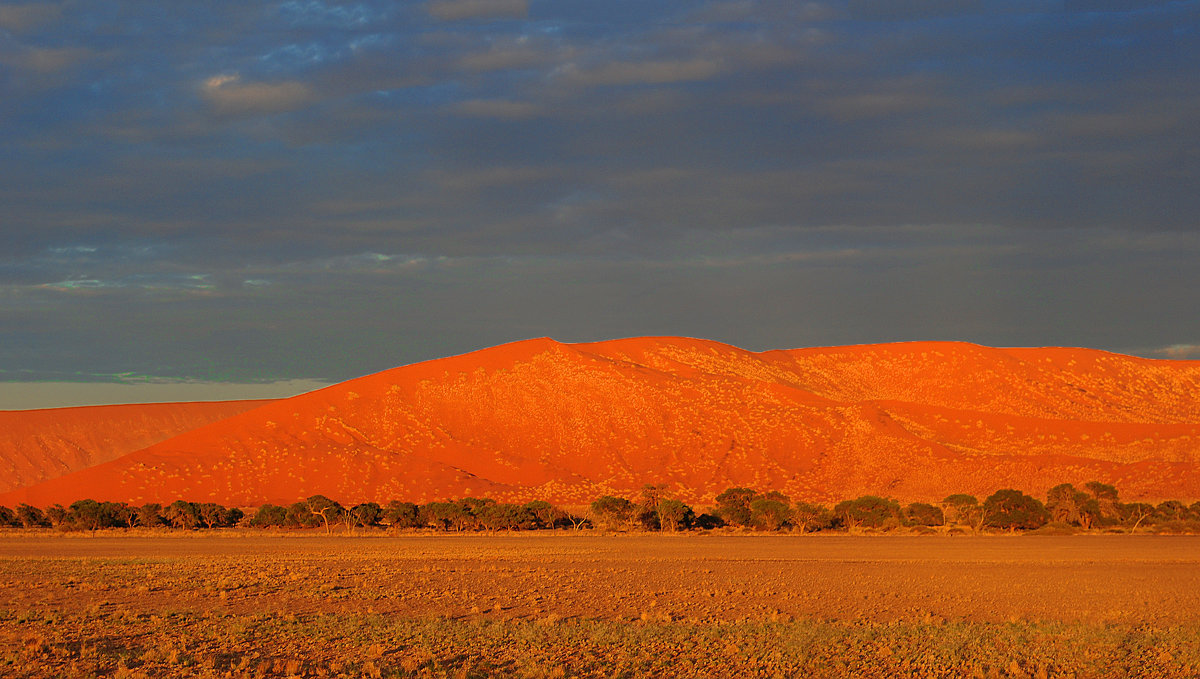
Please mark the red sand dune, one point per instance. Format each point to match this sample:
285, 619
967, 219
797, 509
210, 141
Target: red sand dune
563, 422
36, 445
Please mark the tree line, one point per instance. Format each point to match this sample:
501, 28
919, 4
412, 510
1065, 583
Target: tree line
1095, 505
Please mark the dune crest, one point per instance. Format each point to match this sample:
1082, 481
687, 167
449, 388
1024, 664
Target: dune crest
569, 422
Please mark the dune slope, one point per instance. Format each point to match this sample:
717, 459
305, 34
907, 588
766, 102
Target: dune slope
542, 419
36, 445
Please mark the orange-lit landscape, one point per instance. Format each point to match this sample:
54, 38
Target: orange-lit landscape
567, 423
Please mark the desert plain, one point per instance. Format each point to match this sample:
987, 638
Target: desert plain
566, 604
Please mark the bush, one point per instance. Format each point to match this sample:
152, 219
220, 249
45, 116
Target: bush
868, 511
766, 514
733, 506
612, 512
923, 514
808, 518
1011, 509
270, 516
399, 514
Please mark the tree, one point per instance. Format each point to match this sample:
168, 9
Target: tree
445, 515
1106, 499
8, 518
546, 514
963, 509
210, 514
768, 514
503, 516
149, 515
328, 510
364, 514
270, 515
31, 517
1068, 505
58, 516
733, 505
1136, 512
91, 515
399, 514
612, 512
923, 514
674, 515
809, 518
182, 514
1011, 509
868, 511
1171, 510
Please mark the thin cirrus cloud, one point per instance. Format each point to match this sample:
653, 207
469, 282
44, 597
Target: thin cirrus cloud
229, 95
458, 10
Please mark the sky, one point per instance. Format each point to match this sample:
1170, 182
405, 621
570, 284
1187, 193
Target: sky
258, 192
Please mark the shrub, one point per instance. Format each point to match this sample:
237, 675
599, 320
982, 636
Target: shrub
733, 506
31, 517
808, 518
769, 514
269, 516
399, 514
612, 512
868, 511
923, 514
1011, 509
674, 515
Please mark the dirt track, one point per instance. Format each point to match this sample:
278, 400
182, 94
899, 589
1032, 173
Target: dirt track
1118, 578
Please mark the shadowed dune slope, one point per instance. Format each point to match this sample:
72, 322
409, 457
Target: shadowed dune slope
568, 422
36, 445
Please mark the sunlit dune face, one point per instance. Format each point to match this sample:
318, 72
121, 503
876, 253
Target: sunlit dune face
567, 423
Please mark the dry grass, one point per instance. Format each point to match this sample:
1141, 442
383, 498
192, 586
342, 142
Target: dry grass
600, 607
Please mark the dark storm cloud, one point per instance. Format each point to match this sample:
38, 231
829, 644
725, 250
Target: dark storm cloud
228, 189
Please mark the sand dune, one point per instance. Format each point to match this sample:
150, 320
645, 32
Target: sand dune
568, 422
36, 445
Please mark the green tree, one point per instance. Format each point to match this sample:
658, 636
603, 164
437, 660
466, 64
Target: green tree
31, 517
769, 514
674, 515
399, 514
733, 505
612, 512
546, 514
8, 518
1011, 509
445, 515
58, 516
149, 515
328, 510
182, 514
364, 514
963, 509
270, 516
504, 516
91, 515
1107, 499
1134, 513
923, 514
809, 518
868, 511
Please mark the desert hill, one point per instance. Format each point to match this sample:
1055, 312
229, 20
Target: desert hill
36, 445
568, 422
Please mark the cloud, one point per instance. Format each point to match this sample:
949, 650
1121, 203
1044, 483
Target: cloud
502, 109
48, 61
458, 10
228, 95
643, 72
20, 18
1180, 351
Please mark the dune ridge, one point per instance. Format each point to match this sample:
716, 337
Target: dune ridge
568, 422
36, 445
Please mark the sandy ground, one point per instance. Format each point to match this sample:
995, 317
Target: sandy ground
1152, 580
